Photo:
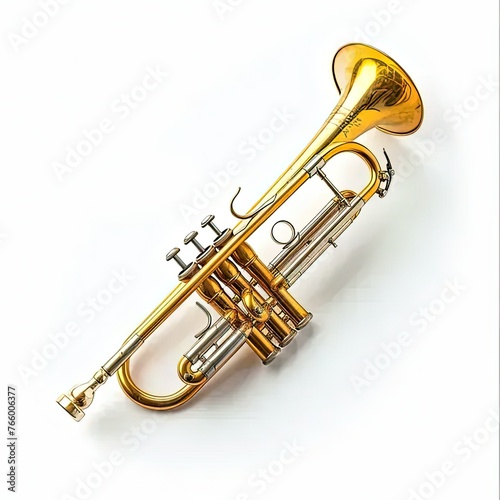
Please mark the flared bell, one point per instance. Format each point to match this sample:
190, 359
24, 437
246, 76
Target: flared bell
382, 88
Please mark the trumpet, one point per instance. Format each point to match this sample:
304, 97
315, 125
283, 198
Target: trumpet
251, 299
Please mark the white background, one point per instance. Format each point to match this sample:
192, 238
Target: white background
121, 209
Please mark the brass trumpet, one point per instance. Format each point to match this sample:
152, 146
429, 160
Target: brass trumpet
375, 92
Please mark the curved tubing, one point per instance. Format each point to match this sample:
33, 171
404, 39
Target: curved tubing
150, 401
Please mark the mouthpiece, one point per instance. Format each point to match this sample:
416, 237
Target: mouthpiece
82, 395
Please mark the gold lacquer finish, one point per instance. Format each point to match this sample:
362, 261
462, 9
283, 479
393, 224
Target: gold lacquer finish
251, 299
